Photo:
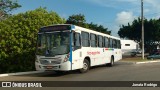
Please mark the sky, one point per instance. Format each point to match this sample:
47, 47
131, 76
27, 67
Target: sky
109, 13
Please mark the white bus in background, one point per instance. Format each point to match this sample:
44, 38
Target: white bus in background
69, 47
129, 46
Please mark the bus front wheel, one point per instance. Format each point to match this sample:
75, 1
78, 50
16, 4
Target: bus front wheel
85, 67
60, 72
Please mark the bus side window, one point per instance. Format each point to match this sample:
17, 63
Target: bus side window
100, 41
77, 41
114, 43
93, 40
110, 43
85, 39
106, 42
119, 44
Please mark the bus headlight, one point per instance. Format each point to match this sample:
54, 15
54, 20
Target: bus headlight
66, 58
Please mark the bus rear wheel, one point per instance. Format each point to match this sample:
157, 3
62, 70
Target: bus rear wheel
85, 67
111, 62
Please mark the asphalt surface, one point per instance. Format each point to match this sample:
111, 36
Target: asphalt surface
119, 72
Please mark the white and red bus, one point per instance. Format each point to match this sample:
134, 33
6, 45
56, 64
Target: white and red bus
68, 47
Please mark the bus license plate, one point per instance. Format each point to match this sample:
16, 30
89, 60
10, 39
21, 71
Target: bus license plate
49, 67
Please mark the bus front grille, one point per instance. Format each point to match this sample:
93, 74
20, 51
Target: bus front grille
50, 62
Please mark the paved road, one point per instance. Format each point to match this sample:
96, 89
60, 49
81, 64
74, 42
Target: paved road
120, 72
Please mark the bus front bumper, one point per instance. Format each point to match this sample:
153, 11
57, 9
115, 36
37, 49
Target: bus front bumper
66, 66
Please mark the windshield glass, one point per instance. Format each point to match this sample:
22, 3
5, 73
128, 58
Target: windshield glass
53, 43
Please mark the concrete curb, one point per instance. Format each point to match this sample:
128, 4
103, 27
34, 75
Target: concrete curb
152, 61
130, 62
126, 62
20, 73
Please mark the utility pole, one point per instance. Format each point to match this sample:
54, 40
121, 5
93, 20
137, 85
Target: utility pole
142, 29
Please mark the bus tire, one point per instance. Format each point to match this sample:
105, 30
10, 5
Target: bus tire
111, 62
60, 72
86, 66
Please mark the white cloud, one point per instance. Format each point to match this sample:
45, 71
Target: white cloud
103, 3
115, 30
64, 15
119, 4
153, 6
124, 18
152, 3
150, 6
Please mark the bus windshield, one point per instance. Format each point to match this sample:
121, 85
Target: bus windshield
53, 43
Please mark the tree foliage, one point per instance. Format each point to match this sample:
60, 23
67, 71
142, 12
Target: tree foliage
133, 31
79, 19
18, 36
98, 28
6, 6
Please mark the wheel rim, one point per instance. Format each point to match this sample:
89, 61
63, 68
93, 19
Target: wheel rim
112, 62
85, 66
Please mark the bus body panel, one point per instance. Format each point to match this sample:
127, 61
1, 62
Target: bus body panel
77, 59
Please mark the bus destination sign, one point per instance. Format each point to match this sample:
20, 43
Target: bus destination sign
55, 28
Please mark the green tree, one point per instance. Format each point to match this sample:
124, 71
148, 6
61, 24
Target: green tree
6, 6
98, 28
79, 19
18, 38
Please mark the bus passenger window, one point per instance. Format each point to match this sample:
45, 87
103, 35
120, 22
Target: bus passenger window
110, 43
100, 41
85, 39
93, 40
106, 42
77, 39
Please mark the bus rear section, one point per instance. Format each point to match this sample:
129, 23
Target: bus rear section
96, 49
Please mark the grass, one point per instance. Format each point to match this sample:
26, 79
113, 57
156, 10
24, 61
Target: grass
134, 59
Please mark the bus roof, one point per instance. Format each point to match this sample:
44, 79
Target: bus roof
94, 32
73, 27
